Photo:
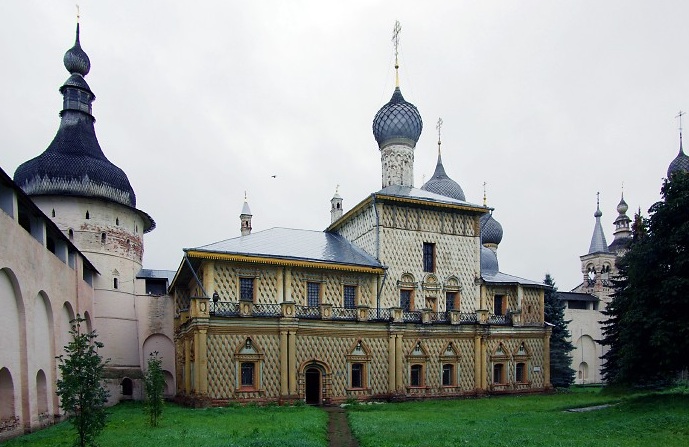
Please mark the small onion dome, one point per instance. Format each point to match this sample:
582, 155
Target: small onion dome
398, 121
441, 184
622, 207
680, 163
491, 230
76, 60
489, 262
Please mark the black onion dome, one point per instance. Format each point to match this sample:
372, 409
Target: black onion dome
441, 184
491, 230
397, 121
76, 60
74, 163
489, 262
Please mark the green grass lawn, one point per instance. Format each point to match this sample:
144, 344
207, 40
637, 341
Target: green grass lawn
535, 420
651, 419
235, 426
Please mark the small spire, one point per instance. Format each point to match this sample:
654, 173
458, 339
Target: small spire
439, 126
396, 42
598, 242
679, 117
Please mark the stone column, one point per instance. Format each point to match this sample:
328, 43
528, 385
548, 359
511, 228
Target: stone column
391, 363
187, 365
202, 361
284, 365
399, 374
280, 292
288, 285
546, 358
292, 349
478, 384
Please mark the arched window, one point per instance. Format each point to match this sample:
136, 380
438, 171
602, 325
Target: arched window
127, 387
87, 214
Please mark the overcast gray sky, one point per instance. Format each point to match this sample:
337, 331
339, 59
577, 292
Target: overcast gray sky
546, 101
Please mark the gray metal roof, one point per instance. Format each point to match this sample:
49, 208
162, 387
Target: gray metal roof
577, 296
504, 278
416, 193
156, 274
292, 244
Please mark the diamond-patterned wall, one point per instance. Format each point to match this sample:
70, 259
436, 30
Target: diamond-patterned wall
511, 344
435, 348
402, 252
531, 306
222, 366
332, 350
332, 286
360, 230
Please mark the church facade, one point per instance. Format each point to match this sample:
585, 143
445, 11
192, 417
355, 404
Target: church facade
400, 297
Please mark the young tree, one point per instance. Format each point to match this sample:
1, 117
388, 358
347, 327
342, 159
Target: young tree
81, 392
561, 372
155, 384
647, 333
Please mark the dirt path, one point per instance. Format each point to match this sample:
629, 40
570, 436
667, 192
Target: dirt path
339, 433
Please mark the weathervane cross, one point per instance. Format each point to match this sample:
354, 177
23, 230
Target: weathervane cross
679, 115
396, 42
439, 127
77, 12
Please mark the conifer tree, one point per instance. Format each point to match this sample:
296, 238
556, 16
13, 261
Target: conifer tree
80, 387
647, 332
154, 381
561, 372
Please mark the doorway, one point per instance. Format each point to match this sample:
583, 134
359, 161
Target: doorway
313, 386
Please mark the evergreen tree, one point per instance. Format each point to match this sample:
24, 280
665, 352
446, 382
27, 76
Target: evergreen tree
647, 333
81, 392
154, 381
561, 372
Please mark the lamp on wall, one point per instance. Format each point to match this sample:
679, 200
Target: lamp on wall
216, 298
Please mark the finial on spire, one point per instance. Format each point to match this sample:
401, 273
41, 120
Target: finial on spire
679, 116
78, 13
245, 196
396, 42
485, 201
439, 126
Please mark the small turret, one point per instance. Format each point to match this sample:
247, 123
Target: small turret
245, 218
335, 206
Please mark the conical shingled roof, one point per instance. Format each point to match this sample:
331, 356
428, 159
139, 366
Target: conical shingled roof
598, 243
441, 184
74, 163
397, 121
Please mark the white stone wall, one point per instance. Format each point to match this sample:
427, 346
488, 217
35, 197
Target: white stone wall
397, 161
39, 293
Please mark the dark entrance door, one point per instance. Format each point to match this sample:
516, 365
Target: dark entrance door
313, 386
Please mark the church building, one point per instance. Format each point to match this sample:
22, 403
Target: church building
586, 302
400, 296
